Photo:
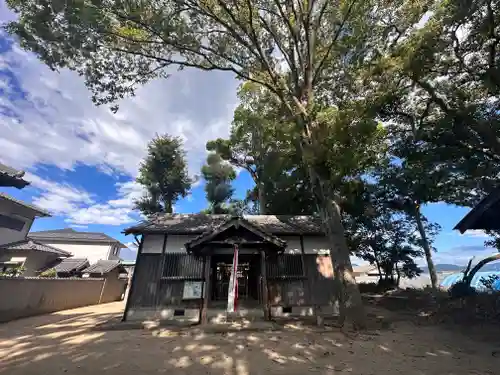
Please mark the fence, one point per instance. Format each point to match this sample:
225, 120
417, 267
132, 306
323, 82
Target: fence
22, 297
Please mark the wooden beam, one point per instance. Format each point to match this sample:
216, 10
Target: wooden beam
160, 271
265, 292
132, 284
206, 290
308, 281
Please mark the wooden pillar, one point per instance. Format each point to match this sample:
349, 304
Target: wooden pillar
132, 288
206, 290
265, 293
311, 298
159, 275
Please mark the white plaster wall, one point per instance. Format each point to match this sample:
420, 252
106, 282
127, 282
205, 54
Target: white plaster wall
316, 244
93, 252
175, 243
293, 244
9, 235
312, 244
152, 244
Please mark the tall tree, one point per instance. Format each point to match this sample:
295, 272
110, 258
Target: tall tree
164, 175
260, 142
218, 176
381, 235
444, 83
298, 50
411, 178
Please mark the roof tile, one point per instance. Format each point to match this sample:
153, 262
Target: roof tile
30, 244
38, 210
202, 223
71, 234
72, 265
102, 266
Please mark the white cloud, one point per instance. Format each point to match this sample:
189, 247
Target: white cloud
48, 118
80, 208
52, 119
58, 198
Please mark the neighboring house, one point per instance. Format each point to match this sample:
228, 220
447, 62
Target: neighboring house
93, 246
105, 267
11, 177
71, 267
184, 262
29, 255
16, 218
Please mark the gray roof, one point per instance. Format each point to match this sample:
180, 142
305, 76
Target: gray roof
207, 236
103, 266
12, 177
201, 223
485, 215
29, 244
38, 211
73, 235
71, 265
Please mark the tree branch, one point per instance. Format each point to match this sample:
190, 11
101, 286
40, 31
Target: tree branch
330, 47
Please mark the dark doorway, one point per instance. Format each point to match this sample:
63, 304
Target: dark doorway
248, 279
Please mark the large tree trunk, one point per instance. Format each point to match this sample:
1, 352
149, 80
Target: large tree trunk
262, 198
427, 248
350, 303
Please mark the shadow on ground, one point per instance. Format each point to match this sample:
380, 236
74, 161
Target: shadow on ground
69, 344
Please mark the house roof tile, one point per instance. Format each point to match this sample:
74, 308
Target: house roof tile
71, 234
103, 267
30, 244
202, 223
206, 236
38, 211
12, 177
71, 265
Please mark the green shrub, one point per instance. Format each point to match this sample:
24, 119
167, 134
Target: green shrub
51, 272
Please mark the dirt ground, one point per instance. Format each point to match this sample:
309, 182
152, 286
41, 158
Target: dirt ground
69, 343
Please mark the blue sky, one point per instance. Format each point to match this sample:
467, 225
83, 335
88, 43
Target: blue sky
82, 160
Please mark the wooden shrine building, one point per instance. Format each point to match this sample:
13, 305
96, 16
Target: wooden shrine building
184, 264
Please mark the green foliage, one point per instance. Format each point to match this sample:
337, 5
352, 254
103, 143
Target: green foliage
218, 176
13, 271
445, 94
489, 281
261, 142
50, 273
164, 175
378, 234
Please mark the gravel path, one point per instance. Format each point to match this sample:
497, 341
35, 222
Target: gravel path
67, 343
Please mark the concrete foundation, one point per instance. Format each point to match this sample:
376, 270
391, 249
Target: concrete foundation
220, 315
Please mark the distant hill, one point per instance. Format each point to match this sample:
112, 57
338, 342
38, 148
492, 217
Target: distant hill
443, 267
494, 266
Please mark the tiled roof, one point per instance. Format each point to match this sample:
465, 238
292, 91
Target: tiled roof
206, 236
484, 215
12, 177
103, 266
29, 244
71, 234
71, 265
38, 211
201, 223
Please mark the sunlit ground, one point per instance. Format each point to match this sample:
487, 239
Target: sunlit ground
68, 343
